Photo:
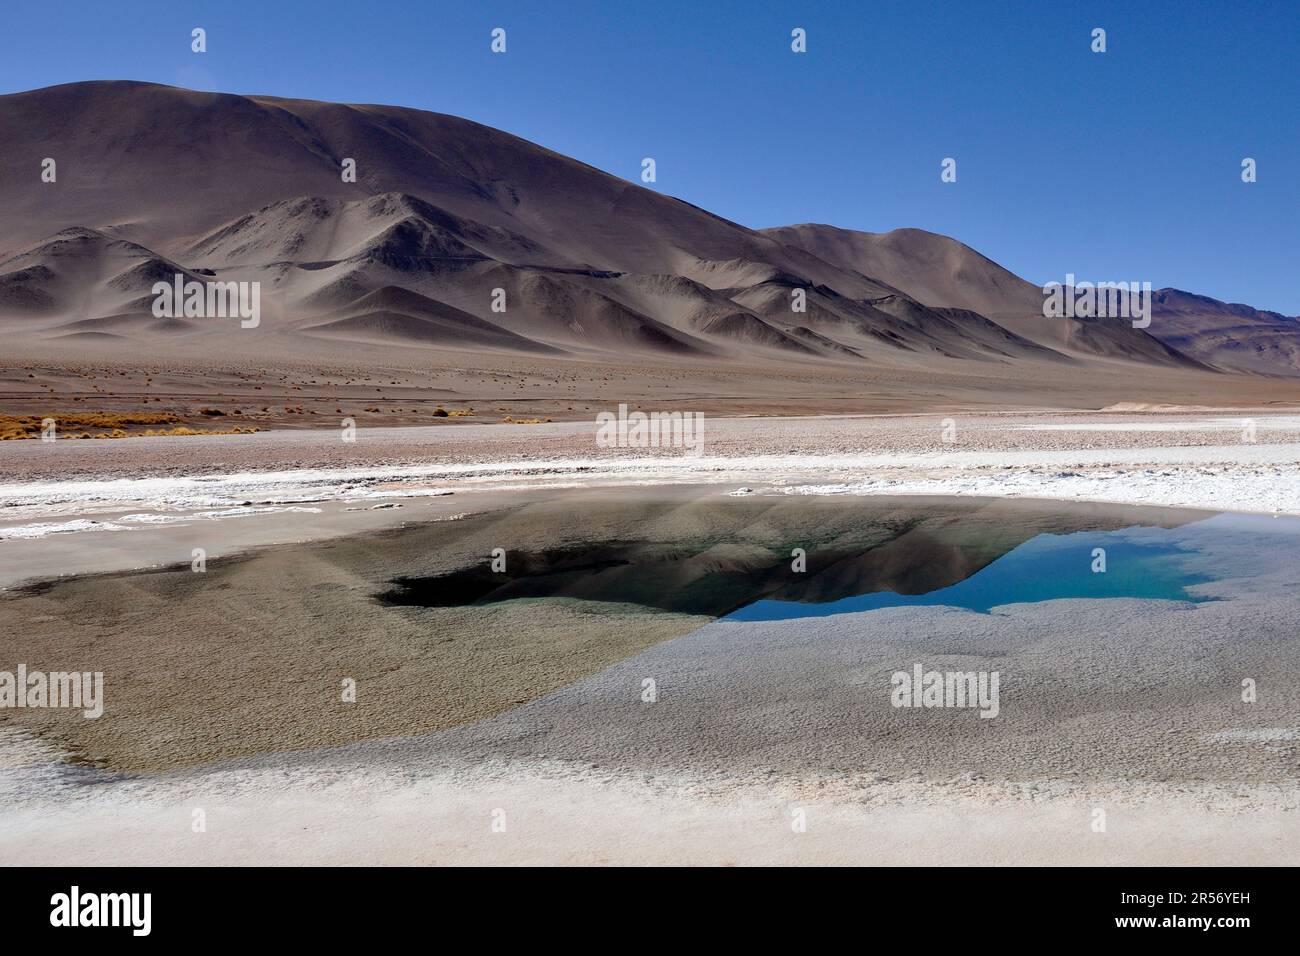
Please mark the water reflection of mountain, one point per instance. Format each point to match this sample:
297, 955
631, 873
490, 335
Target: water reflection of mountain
744, 550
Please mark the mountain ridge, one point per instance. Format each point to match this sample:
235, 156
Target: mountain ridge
515, 247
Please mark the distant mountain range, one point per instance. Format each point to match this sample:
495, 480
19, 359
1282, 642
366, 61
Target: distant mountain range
152, 181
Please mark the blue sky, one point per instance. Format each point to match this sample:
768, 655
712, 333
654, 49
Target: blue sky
1117, 166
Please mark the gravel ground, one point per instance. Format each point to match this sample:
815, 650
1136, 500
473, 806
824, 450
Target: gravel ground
723, 437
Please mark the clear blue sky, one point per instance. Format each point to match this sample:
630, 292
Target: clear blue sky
1123, 165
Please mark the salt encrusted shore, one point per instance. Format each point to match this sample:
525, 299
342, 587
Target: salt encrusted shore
1133, 709
286, 486
551, 814
1122, 738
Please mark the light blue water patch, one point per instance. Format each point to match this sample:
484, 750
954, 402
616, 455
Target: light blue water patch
1045, 568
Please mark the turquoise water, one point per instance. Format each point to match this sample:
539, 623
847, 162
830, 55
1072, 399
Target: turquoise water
758, 560
1044, 568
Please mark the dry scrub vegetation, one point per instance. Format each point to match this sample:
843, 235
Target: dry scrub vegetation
107, 425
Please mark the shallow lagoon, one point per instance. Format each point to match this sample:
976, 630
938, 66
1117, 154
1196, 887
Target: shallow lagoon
857, 558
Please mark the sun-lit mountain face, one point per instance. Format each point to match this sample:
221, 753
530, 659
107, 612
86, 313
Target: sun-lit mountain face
403, 229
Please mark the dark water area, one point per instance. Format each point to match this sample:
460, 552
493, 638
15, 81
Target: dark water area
851, 557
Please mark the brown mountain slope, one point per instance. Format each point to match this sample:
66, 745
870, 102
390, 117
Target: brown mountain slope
930, 268
80, 274
179, 164
1227, 335
942, 272
458, 236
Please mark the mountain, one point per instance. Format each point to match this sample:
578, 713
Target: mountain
940, 271
927, 267
1227, 335
945, 273
456, 236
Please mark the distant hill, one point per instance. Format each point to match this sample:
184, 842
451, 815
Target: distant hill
154, 181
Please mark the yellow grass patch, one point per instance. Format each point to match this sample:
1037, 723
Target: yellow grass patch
106, 425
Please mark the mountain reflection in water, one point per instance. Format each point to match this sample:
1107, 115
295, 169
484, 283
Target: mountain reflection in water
744, 562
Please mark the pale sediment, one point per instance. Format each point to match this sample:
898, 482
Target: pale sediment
539, 709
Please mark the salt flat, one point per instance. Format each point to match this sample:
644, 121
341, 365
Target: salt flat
1129, 706
285, 486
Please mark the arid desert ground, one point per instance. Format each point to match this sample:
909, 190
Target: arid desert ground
222, 686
